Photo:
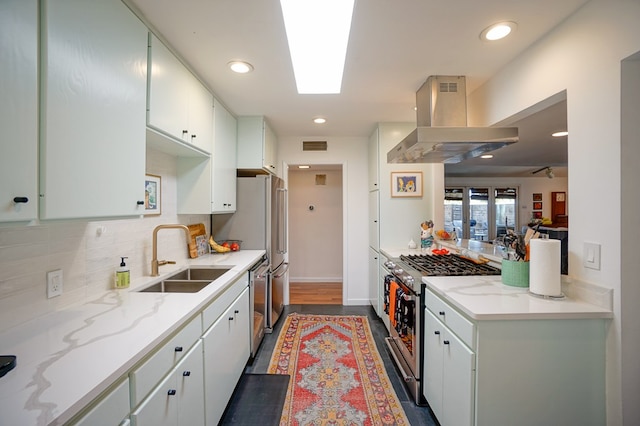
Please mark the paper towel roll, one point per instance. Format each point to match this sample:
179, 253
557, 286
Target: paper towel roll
544, 267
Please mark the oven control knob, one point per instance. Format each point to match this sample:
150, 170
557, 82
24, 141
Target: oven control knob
389, 264
398, 271
408, 280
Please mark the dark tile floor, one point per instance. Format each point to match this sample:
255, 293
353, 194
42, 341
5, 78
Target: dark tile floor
418, 416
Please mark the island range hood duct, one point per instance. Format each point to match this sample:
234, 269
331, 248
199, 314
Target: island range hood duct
442, 135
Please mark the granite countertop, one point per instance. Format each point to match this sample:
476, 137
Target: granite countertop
67, 358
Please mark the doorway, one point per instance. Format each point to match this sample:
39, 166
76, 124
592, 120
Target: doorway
315, 234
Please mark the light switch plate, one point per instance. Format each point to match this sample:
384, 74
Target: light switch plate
591, 258
54, 283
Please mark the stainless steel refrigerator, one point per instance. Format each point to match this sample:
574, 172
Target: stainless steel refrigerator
260, 222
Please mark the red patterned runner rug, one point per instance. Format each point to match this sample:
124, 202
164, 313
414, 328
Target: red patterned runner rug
337, 375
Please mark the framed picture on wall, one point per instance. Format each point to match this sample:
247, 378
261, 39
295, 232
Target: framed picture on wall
406, 184
152, 194
537, 205
537, 196
537, 215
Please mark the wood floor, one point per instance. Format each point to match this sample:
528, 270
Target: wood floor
315, 293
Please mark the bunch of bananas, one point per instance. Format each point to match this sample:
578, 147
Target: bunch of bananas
217, 247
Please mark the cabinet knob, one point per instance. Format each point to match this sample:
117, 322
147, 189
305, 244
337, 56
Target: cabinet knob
193, 137
446, 342
171, 392
178, 348
436, 332
18, 200
236, 311
186, 373
230, 318
441, 312
140, 203
184, 132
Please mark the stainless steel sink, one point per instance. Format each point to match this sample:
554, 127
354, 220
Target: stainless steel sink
190, 280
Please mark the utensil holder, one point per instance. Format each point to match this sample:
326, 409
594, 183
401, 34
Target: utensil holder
515, 273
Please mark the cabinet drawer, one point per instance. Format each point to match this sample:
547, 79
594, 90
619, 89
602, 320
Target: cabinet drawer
461, 326
145, 377
219, 305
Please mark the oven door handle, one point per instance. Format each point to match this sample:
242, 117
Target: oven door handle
405, 376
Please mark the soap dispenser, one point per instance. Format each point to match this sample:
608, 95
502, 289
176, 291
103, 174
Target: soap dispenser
123, 277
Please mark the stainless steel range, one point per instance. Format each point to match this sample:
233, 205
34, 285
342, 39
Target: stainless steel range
404, 303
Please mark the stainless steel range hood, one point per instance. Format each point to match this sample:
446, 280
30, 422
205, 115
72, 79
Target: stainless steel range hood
442, 135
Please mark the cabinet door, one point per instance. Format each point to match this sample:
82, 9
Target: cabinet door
373, 161
161, 407
190, 386
169, 85
374, 219
92, 152
373, 280
200, 115
224, 160
110, 410
433, 357
18, 110
270, 151
226, 351
458, 388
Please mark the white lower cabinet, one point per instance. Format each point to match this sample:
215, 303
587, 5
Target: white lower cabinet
373, 280
516, 371
226, 351
449, 374
111, 409
179, 398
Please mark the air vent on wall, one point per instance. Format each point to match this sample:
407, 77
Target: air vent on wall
314, 145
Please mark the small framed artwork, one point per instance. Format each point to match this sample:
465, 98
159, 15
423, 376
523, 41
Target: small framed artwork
152, 194
537, 205
406, 184
537, 196
537, 215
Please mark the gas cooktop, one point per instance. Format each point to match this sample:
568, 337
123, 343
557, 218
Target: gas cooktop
447, 264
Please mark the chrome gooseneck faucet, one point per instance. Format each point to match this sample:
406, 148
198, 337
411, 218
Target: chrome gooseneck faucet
155, 262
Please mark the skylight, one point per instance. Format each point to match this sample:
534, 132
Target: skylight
318, 34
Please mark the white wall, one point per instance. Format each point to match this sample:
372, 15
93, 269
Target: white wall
315, 235
583, 56
88, 260
351, 153
528, 186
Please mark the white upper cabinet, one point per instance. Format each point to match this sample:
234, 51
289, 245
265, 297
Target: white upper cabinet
93, 105
18, 110
179, 105
257, 144
374, 155
224, 160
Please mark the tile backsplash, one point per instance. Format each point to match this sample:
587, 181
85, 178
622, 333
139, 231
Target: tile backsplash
88, 252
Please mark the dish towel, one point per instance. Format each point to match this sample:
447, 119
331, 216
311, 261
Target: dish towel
387, 284
393, 303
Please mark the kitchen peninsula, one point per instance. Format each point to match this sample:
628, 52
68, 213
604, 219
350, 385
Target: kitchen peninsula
497, 355
111, 350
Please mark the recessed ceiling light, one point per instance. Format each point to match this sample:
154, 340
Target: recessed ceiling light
318, 34
319, 120
304, 167
240, 67
497, 31
559, 134
486, 156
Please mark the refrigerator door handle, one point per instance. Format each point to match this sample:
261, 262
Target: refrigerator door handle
282, 269
281, 209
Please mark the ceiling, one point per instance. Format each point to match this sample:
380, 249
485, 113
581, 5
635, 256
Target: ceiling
393, 47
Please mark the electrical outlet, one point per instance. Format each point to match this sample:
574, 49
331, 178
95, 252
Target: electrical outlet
54, 283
